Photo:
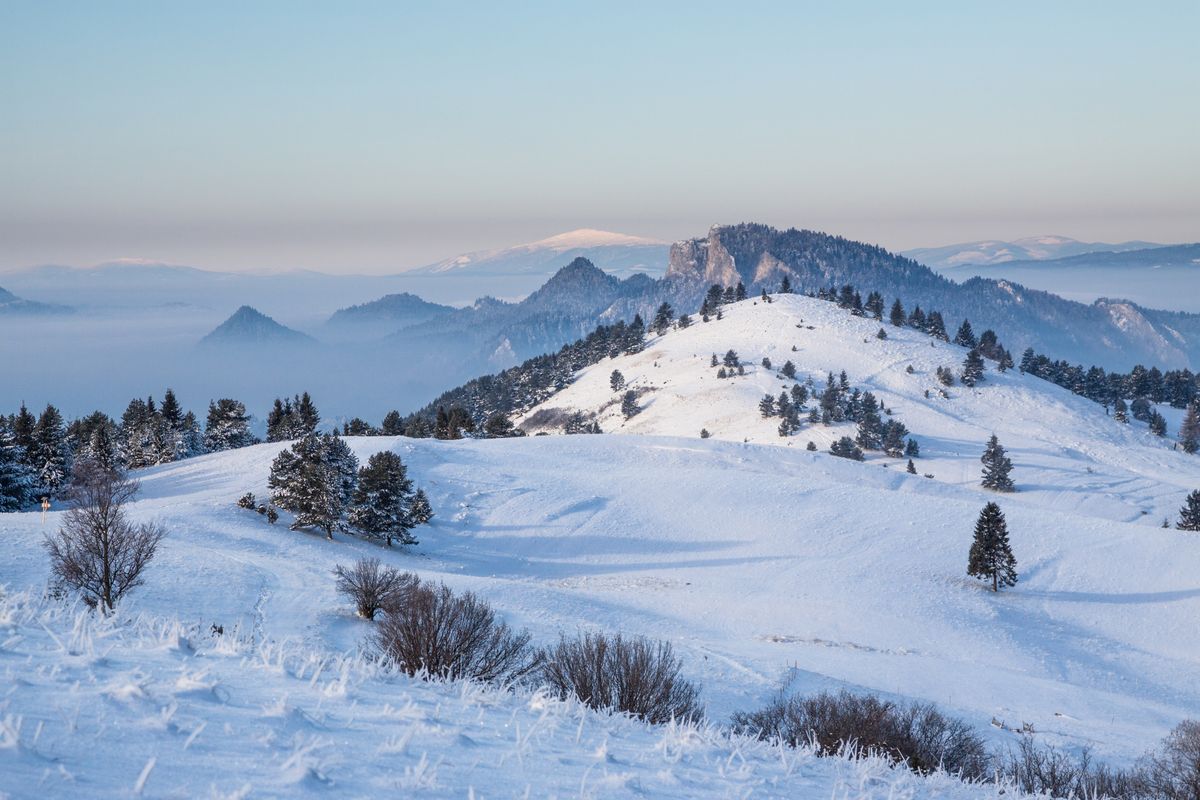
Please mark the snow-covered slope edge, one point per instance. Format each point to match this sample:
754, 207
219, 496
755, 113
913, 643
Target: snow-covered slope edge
153, 707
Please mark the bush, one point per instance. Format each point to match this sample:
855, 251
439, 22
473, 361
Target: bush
635, 675
1045, 770
440, 634
373, 587
1173, 773
272, 515
246, 500
917, 736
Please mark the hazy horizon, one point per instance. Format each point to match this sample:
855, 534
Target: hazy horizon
299, 136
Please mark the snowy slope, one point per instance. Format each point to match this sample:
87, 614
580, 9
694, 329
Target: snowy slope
1068, 454
616, 253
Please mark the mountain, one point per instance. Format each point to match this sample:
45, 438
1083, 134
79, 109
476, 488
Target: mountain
616, 253
12, 305
250, 327
1033, 248
1159, 277
1113, 334
388, 313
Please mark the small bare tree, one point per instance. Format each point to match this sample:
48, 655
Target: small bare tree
373, 587
98, 551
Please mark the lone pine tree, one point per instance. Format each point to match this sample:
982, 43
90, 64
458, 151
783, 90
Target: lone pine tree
996, 467
1189, 515
381, 505
991, 557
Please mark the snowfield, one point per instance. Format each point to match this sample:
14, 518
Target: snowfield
764, 564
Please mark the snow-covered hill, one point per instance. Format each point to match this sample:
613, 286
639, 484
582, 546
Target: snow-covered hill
998, 252
763, 563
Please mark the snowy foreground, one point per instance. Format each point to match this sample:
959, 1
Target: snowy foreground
764, 564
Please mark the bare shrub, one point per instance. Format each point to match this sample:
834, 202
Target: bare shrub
444, 635
918, 736
371, 586
633, 675
98, 551
1047, 770
1173, 773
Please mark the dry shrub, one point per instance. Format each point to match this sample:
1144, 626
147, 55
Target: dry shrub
438, 633
632, 675
373, 587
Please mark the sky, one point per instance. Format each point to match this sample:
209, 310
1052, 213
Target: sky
374, 137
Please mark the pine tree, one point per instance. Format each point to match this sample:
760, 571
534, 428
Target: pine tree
380, 507
279, 421
911, 468
24, 427
314, 479
662, 318
684, 321
307, 418
789, 370
936, 327
420, 510
996, 467
897, 315
766, 406
629, 406
635, 335
965, 336
1120, 411
991, 557
393, 424
845, 448
785, 286
616, 380
1158, 423
1189, 515
731, 359
52, 456
972, 368
18, 483
739, 291
227, 426
869, 435
1189, 430
894, 432
912, 449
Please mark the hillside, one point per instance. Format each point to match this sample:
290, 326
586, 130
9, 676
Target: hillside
11, 305
1030, 248
388, 313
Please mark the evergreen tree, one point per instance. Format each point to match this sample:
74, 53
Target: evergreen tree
635, 335
1189, 515
991, 557
911, 468
279, 421
714, 362
845, 448
912, 449
393, 424
380, 507
1005, 362
972, 369
307, 418
684, 321
1189, 430
785, 286
138, 434
499, 426
965, 336
894, 432
713, 298
315, 479
936, 327
190, 439
420, 510
227, 426
170, 411
869, 425
874, 305
789, 370
766, 406
662, 318
1027, 360
18, 483
24, 427
731, 359
616, 381
629, 406
1158, 423
739, 291
916, 318
996, 467
728, 295
52, 455
897, 315
1120, 411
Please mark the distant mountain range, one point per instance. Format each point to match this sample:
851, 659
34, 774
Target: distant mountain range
616, 253
12, 305
1033, 248
248, 327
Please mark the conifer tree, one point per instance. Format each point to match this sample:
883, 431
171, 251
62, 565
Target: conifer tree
912, 449
684, 321
739, 291
972, 368
380, 507
785, 286
635, 335
911, 468
314, 479
420, 510
996, 467
1189, 515
897, 315
662, 318
1189, 430
869, 426
936, 327
307, 418
227, 426
1120, 411
965, 336
789, 370
52, 455
616, 381
991, 557
393, 424
629, 406
766, 406
845, 448
18, 483
1158, 423
24, 427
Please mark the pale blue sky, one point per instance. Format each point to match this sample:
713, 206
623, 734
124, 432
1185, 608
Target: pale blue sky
375, 136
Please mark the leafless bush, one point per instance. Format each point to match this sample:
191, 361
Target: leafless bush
452, 636
1047, 770
373, 587
633, 675
98, 551
918, 736
1173, 773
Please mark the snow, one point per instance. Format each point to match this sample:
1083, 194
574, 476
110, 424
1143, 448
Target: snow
764, 564
589, 237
